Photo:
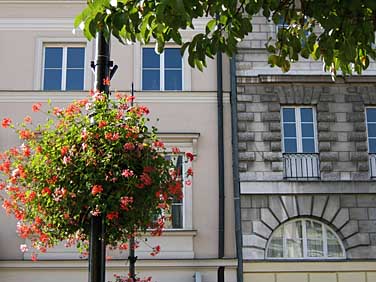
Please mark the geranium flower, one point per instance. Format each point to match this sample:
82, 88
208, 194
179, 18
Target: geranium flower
36, 107
97, 189
6, 122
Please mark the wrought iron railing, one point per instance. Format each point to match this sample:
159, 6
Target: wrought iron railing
301, 166
372, 165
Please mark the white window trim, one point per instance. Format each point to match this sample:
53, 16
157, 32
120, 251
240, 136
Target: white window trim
42, 42
137, 70
305, 238
298, 126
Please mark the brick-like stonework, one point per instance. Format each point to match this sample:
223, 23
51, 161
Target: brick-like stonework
341, 128
352, 217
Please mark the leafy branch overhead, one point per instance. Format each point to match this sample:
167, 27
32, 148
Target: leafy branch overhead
338, 32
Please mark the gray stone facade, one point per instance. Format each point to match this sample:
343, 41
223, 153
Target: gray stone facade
342, 152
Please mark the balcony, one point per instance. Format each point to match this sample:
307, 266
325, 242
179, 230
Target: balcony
302, 166
372, 165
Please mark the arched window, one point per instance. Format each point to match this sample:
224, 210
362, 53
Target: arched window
304, 239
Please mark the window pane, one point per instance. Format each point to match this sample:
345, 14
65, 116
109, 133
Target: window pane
53, 57
173, 80
315, 246
308, 145
172, 58
306, 115
307, 130
290, 146
177, 216
372, 130
75, 79
334, 247
288, 115
294, 242
150, 80
76, 57
372, 145
289, 130
52, 79
150, 59
275, 249
371, 115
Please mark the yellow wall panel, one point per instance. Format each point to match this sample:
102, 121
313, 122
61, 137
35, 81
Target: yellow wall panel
322, 277
292, 277
259, 277
352, 277
371, 276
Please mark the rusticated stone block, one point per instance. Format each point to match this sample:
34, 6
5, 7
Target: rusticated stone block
271, 136
361, 146
353, 98
359, 176
261, 229
322, 107
246, 116
272, 156
242, 146
331, 208
241, 107
254, 241
245, 201
327, 98
357, 136
275, 116
247, 156
290, 204
277, 166
359, 156
277, 208
327, 136
275, 146
324, 146
268, 218
269, 98
323, 126
304, 204
366, 200
363, 166
359, 126
319, 202
243, 166
326, 166
274, 107
242, 126
260, 201
359, 213
350, 228
250, 214
348, 201
275, 126
245, 98
330, 176
246, 136
355, 117
358, 239
367, 226
341, 218
328, 156
326, 117
358, 107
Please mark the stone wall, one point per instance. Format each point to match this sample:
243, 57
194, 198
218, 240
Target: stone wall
342, 137
352, 216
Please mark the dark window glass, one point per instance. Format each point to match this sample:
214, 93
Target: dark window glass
372, 130
371, 115
172, 58
306, 115
75, 57
290, 146
173, 80
289, 130
289, 115
75, 79
52, 79
53, 57
150, 59
150, 80
307, 130
372, 145
308, 145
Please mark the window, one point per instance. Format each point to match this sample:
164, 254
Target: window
63, 67
162, 72
300, 143
304, 239
371, 133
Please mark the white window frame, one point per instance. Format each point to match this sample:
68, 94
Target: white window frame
305, 239
41, 43
162, 70
298, 126
366, 109
137, 70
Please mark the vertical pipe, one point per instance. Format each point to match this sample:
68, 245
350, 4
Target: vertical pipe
235, 170
97, 248
221, 186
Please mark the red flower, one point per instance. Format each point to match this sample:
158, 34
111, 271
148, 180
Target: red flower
46, 191
128, 146
96, 189
27, 119
36, 107
6, 122
175, 150
158, 144
146, 179
112, 215
64, 150
25, 134
127, 173
102, 123
190, 171
189, 156
106, 81
124, 202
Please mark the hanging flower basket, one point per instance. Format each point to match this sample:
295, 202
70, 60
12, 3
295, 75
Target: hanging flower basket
95, 157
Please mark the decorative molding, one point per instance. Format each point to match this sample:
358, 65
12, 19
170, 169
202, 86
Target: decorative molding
141, 97
24, 24
307, 187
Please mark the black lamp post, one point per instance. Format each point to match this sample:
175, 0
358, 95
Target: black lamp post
97, 247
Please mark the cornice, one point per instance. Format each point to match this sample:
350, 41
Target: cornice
36, 23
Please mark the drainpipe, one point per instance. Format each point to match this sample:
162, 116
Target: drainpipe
221, 186
235, 169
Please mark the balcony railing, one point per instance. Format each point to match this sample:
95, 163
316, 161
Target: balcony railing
301, 166
372, 165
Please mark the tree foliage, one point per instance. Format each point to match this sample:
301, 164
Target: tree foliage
338, 32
